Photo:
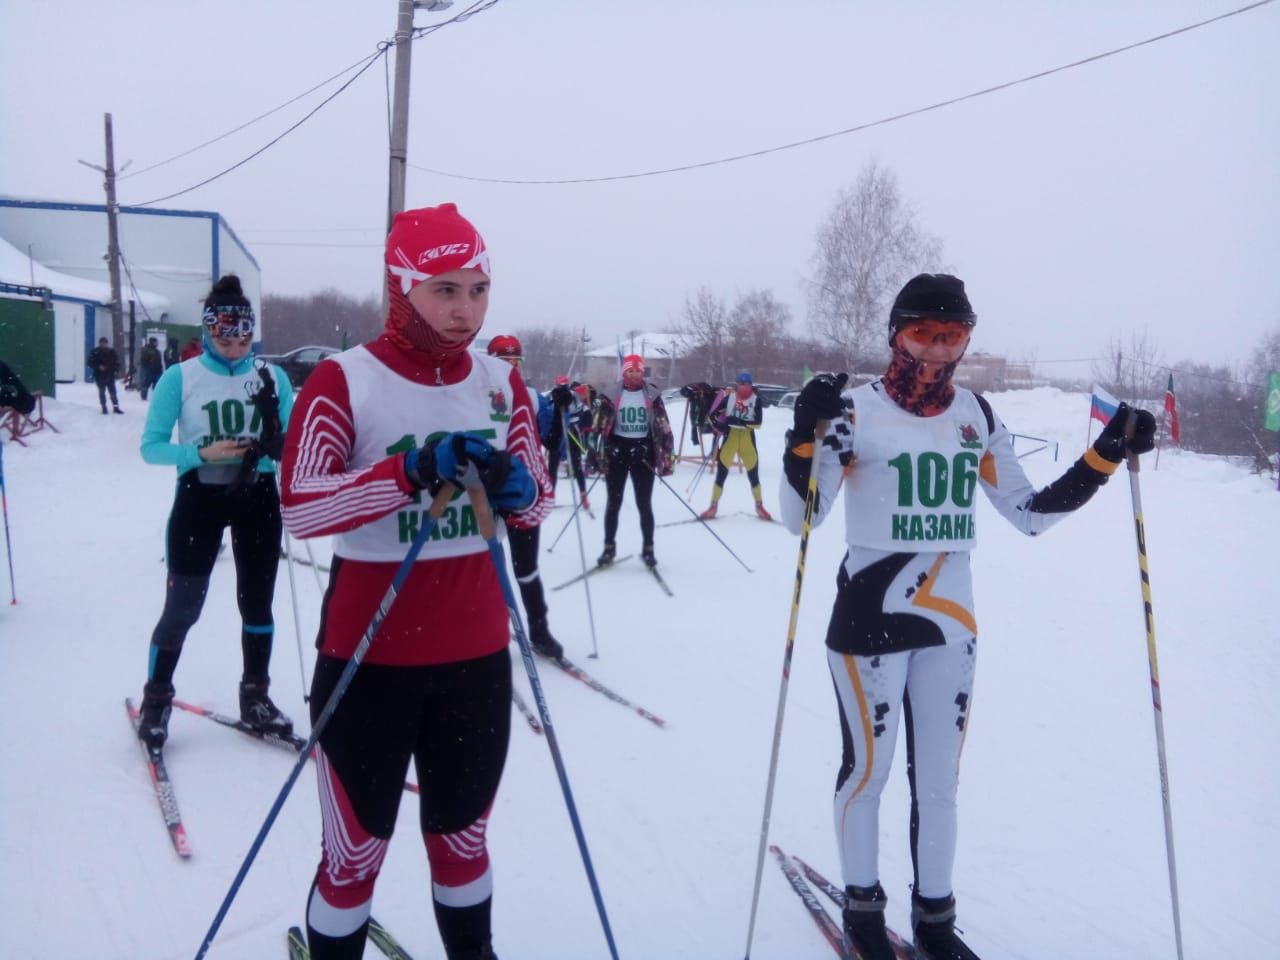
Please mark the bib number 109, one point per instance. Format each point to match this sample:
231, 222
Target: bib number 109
929, 480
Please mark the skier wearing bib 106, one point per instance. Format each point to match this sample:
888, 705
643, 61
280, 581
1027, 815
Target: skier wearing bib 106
230, 416
637, 444
380, 430
912, 448
735, 416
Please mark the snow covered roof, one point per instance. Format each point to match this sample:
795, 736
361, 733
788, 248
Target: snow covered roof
648, 345
17, 267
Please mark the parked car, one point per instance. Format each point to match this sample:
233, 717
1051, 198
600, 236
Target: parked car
300, 361
771, 393
788, 399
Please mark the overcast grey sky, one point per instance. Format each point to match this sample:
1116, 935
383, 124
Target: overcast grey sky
1138, 193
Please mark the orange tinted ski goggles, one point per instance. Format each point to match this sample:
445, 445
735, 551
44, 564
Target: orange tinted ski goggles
928, 332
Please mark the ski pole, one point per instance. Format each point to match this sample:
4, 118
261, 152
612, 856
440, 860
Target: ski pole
810, 504
315, 567
293, 596
297, 626
659, 475
344, 680
586, 584
1139, 529
703, 466
576, 507
8, 544
484, 520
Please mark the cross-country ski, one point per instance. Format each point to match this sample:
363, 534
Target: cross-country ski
591, 572
163, 787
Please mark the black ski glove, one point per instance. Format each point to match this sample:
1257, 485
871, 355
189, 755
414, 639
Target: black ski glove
267, 402
1111, 444
819, 400
562, 397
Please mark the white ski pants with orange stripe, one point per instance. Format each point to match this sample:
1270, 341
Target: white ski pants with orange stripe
933, 687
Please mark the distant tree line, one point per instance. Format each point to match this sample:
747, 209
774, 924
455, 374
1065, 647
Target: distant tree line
322, 318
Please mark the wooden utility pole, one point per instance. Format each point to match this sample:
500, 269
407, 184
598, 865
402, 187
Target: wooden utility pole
113, 236
400, 111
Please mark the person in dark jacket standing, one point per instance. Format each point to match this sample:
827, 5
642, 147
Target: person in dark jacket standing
151, 364
172, 354
105, 364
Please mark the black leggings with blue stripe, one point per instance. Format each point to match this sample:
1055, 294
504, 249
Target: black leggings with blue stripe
201, 512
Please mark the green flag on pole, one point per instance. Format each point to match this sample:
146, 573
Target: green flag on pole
806, 376
1272, 411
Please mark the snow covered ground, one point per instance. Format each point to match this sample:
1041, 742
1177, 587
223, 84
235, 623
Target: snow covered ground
1062, 845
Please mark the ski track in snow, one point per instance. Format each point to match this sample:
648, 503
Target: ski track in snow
1061, 846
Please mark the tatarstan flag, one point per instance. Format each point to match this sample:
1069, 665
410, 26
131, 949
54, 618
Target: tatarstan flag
1171, 408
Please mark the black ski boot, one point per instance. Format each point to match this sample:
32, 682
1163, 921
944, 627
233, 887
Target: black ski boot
257, 710
933, 921
864, 923
542, 641
646, 554
153, 720
610, 554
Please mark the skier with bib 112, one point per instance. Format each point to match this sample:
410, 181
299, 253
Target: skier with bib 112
912, 449
735, 417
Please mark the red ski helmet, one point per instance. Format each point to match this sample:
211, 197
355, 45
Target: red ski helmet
506, 346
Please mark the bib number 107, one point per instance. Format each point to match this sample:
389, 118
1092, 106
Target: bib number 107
929, 480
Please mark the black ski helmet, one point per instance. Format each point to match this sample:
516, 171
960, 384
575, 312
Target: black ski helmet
931, 296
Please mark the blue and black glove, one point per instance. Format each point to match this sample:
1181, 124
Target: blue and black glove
468, 460
1113, 446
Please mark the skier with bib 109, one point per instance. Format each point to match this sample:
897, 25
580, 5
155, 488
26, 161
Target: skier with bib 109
911, 449
380, 430
637, 444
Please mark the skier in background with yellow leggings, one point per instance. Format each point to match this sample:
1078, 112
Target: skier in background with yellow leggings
736, 418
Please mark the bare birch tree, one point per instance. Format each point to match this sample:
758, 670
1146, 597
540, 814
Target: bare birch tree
1133, 370
867, 248
705, 322
757, 328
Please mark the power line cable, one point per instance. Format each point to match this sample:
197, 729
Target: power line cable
382, 49
247, 123
292, 100
848, 130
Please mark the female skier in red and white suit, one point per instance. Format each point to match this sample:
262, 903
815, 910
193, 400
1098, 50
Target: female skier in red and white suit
361, 464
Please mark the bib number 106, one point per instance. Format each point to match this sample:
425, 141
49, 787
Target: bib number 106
929, 480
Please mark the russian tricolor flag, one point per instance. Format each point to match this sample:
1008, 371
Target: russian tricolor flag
1102, 406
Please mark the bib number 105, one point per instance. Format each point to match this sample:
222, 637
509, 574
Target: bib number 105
930, 479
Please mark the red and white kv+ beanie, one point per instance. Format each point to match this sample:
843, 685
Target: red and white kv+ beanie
422, 244
433, 240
